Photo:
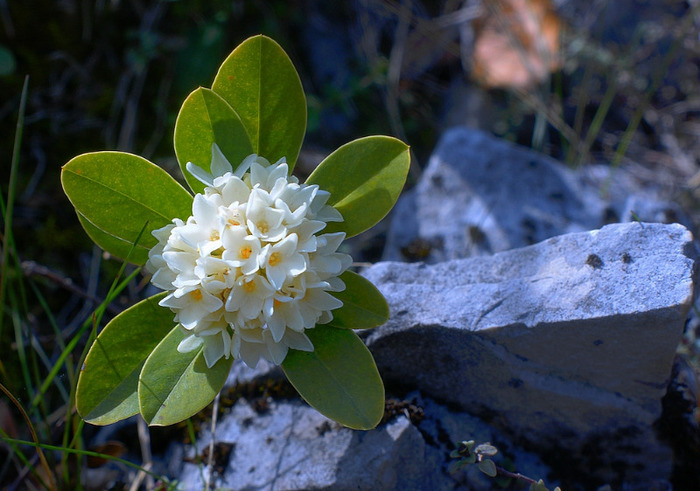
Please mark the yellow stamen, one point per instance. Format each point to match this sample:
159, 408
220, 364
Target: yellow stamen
245, 252
196, 295
214, 235
249, 287
275, 259
263, 227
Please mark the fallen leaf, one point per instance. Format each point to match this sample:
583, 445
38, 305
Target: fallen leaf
516, 43
111, 448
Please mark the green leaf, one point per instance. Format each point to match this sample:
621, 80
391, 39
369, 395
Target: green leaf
456, 466
363, 305
365, 178
118, 247
174, 386
488, 467
204, 119
486, 449
261, 84
464, 450
338, 378
107, 385
117, 193
539, 486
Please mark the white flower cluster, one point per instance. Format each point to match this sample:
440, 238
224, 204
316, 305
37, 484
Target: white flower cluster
247, 272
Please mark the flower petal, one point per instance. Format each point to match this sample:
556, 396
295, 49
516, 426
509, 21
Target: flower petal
219, 163
190, 343
200, 174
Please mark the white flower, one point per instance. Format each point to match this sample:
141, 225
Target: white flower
249, 295
216, 341
283, 261
164, 276
247, 272
193, 306
203, 230
325, 261
263, 219
215, 274
242, 250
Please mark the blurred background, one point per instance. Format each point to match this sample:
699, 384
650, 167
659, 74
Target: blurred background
596, 81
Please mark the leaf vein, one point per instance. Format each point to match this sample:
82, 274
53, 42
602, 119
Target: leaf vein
128, 197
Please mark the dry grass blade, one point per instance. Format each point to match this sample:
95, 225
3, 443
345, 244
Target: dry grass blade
210, 458
40, 453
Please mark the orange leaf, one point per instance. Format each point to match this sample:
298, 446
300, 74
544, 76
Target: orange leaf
111, 448
516, 43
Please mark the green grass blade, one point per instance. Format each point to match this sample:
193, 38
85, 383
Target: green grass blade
11, 199
74, 342
659, 75
86, 453
27, 463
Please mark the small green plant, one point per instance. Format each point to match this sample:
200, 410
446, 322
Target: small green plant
468, 452
246, 271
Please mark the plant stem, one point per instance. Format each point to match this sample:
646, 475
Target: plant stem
210, 459
514, 475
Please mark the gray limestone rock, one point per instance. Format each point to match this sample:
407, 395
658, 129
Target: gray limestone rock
567, 343
565, 346
291, 446
481, 195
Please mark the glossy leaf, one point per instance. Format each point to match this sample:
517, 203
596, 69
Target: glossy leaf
339, 378
261, 84
174, 386
365, 178
118, 247
204, 119
363, 305
107, 386
117, 193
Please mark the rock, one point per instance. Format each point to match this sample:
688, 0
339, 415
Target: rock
291, 446
568, 343
564, 347
481, 195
